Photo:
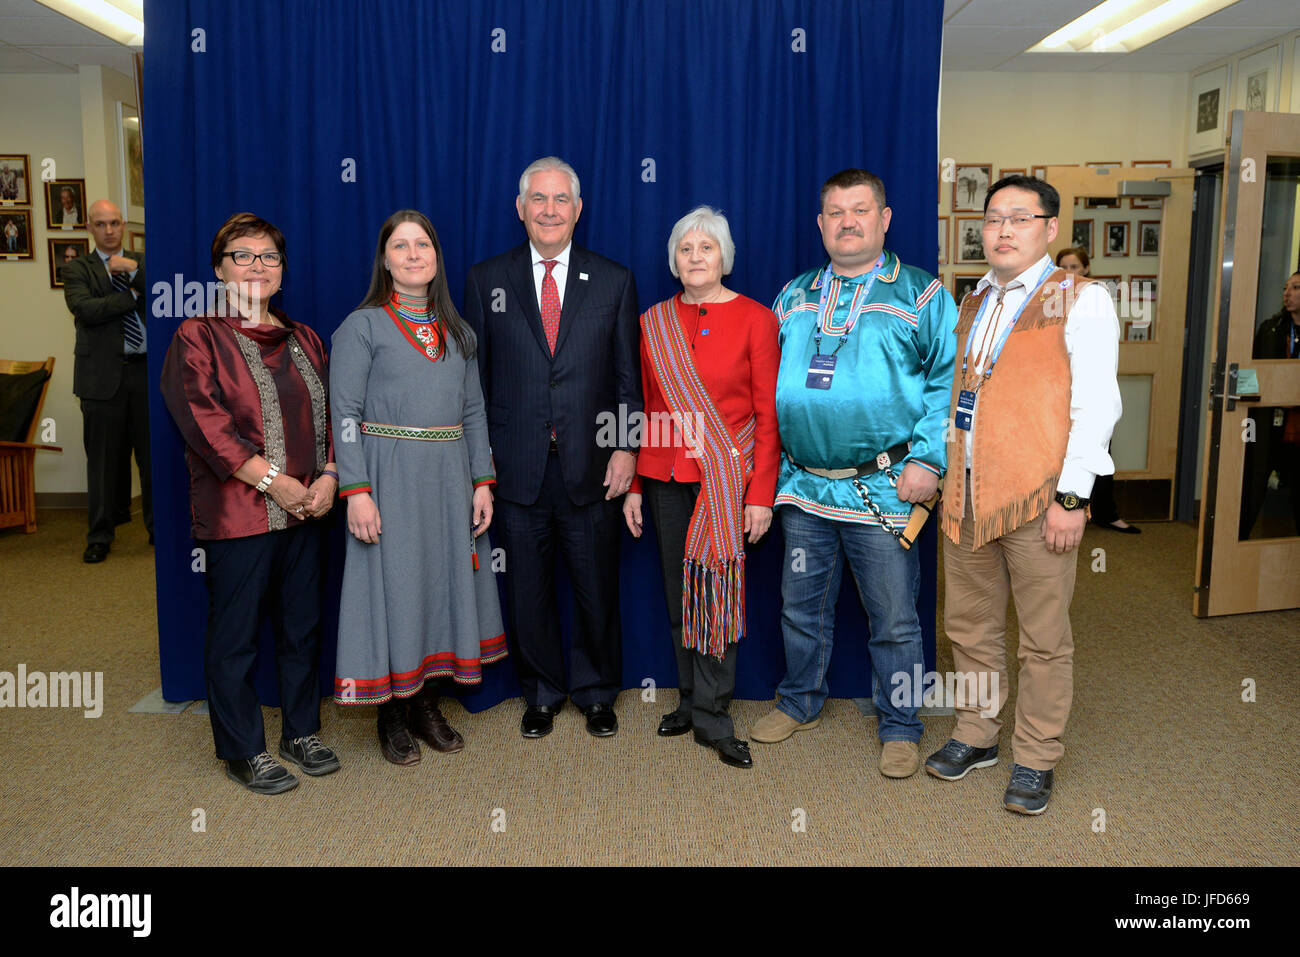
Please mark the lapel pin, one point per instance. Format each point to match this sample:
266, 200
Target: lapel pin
582, 276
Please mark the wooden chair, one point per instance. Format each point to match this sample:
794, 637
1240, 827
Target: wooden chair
18, 459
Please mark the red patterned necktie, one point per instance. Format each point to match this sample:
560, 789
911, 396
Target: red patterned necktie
550, 304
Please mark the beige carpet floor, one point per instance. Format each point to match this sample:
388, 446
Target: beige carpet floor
1160, 740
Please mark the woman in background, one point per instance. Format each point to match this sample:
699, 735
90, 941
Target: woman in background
419, 602
1104, 512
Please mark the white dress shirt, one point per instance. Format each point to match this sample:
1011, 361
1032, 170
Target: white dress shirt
1092, 343
71, 218
559, 272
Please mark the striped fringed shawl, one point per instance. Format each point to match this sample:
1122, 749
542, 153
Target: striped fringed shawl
713, 587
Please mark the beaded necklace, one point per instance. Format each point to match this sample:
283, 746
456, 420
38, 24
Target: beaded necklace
414, 316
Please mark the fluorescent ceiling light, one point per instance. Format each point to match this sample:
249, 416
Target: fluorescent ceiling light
1122, 26
119, 20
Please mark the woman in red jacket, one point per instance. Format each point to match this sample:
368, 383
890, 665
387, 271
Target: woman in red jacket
707, 466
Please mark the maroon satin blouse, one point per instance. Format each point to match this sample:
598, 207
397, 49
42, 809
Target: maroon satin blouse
213, 397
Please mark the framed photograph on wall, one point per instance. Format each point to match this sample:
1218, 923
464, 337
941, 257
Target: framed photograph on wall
15, 180
1257, 81
1136, 203
65, 204
1004, 173
1081, 235
970, 186
1102, 202
1039, 172
1142, 288
1209, 108
64, 251
1112, 285
130, 163
969, 239
1149, 237
964, 283
16, 234
1137, 331
135, 240
1116, 239
943, 240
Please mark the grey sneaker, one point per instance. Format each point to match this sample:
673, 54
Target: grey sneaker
955, 760
309, 754
1029, 790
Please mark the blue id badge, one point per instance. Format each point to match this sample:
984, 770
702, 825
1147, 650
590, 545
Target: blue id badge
820, 372
965, 409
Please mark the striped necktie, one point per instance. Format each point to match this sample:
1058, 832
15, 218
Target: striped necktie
132, 325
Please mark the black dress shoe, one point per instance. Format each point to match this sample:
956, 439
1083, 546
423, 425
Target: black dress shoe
537, 721
395, 739
731, 751
95, 552
601, 720
674, 724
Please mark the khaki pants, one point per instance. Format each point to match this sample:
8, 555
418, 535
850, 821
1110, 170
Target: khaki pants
977, 585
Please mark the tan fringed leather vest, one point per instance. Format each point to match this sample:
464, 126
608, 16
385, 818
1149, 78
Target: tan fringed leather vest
1022, 418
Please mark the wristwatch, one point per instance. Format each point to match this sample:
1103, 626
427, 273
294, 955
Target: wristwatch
267, 479
1069, 501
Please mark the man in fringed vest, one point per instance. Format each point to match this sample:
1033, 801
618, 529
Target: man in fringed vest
1034, 401
866, 367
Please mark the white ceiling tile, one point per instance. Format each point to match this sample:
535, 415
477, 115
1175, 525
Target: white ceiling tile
1277, 16
1052, 14
116, 56
17, 60
1058, 63
26, 8
1217, 42
33, 31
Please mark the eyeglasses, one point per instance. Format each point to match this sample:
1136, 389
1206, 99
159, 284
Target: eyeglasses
1018, 220
243, 257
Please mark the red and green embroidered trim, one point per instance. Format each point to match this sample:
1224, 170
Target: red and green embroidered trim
353, 488
417, 324
485, 480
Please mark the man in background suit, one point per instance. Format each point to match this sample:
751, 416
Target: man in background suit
558, 353
105, 292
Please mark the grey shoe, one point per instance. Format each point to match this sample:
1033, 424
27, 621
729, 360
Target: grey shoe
955, 760
261, 774
310, 754
1029, 790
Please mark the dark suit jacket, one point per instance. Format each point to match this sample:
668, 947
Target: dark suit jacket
594, 372
97, 309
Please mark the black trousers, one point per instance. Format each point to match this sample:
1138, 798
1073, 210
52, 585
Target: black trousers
278, 573
111, 430
705, 683
586, 538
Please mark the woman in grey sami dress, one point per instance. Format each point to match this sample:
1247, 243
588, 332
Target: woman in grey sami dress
419, 603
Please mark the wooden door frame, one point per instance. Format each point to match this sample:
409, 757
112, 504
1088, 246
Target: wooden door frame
1233, 576
1161, 358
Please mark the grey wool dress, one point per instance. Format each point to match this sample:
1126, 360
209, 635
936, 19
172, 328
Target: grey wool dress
422, 602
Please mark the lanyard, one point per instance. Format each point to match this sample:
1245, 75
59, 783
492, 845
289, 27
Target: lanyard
856, 308
1002, 339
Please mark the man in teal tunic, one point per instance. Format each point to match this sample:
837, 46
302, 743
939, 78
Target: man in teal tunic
867, 351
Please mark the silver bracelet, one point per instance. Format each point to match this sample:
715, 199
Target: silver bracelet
267, 479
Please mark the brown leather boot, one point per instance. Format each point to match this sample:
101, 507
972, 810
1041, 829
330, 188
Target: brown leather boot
394, 738
427, 721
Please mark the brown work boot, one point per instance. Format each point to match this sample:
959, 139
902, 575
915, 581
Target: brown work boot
899, 759
776, 726
394, 738
427, 721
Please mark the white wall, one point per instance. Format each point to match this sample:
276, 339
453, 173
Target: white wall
71, 119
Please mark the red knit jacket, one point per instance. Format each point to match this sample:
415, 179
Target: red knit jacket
736, 353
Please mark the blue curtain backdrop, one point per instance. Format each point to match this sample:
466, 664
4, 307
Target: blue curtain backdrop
660, 105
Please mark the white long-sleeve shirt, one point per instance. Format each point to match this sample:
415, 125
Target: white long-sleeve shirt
1092, 343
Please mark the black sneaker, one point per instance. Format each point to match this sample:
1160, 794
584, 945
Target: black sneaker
262, 774
1029, 790
955, 760
309, 754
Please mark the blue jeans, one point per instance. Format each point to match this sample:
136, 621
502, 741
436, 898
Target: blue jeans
888, 579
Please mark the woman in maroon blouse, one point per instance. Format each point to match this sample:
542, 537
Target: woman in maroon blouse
247, 388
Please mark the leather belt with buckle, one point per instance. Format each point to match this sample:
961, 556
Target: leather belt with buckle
881, 462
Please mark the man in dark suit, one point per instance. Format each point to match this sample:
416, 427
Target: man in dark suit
105, 292
559, 356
